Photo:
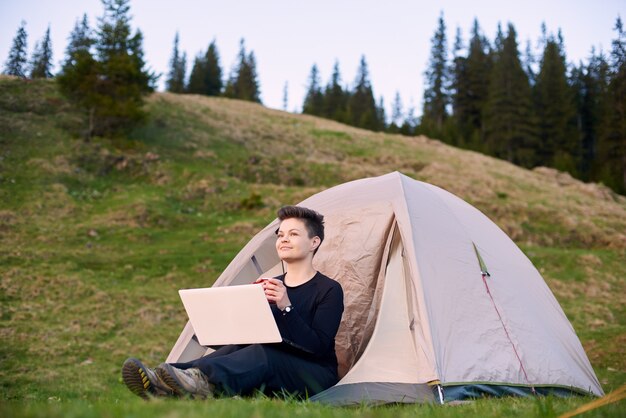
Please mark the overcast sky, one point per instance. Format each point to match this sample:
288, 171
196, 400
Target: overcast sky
287, 37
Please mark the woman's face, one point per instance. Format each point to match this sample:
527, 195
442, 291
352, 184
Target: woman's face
293, 242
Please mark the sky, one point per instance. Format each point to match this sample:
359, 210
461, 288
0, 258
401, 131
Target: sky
288, 37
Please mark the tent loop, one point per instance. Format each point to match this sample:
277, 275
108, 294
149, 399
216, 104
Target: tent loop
256, 264
481, 263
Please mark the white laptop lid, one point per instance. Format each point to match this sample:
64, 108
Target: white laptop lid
230, 315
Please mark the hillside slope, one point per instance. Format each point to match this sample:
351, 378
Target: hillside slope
96, 238
287, 149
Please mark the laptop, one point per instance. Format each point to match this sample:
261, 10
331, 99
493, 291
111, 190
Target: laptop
230, 315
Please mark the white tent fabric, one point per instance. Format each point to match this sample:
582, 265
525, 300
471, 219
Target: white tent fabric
435, 293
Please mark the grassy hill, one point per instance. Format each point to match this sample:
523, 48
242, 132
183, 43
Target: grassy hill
97, 237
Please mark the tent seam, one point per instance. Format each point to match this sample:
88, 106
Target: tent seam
405, 208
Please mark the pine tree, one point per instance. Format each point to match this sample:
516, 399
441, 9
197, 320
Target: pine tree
508, 117
80, 42
248, 80
229, 88
286, 96
16, 62
79, 76
213, 73
590, 84
197, 76
124, 79
478, 68
41, 62
397, 114
335, 97
612, 135
560, 41
381, 114
436, 95
314, 98
111, 85
559, 145
206, 75
411, 122
181, 73
598, 79
469, 86
498, 43
362, 110
175, 82
529, 64
460, 92
243, 81
577, 80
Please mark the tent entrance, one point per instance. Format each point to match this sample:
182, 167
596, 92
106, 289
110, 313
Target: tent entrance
389, 368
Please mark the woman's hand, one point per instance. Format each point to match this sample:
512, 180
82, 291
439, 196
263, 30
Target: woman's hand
275, 292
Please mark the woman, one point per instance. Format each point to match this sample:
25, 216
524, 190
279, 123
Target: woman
307, 307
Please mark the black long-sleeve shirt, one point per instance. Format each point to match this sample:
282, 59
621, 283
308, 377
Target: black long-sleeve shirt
309, 329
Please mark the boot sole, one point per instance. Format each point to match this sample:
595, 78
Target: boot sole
167, 375
135, 378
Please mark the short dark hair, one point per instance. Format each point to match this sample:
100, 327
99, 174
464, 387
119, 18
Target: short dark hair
313, 221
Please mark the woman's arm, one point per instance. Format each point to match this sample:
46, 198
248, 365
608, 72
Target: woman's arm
317, 338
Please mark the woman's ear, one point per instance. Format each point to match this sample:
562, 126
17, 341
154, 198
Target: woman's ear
316, 243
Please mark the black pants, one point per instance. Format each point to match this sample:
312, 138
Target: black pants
241, 370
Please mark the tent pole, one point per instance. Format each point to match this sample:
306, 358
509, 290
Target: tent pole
440, 392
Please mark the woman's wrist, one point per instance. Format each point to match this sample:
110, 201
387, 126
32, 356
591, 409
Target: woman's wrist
283, 304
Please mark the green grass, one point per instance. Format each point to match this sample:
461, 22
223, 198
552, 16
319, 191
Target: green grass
264, 407
118, 404
96, 238
590, 285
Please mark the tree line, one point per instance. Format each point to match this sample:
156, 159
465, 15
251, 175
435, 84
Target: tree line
488, 97
356, 106
103, 73
206, 74
530, 109
40, 64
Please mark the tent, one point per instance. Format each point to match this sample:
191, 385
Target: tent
440, 304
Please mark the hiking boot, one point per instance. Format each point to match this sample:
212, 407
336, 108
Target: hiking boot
143, 381
189, 382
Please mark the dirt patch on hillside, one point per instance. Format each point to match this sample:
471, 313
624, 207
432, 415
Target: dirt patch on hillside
136, 215
8, 219
593, 190
58, 165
